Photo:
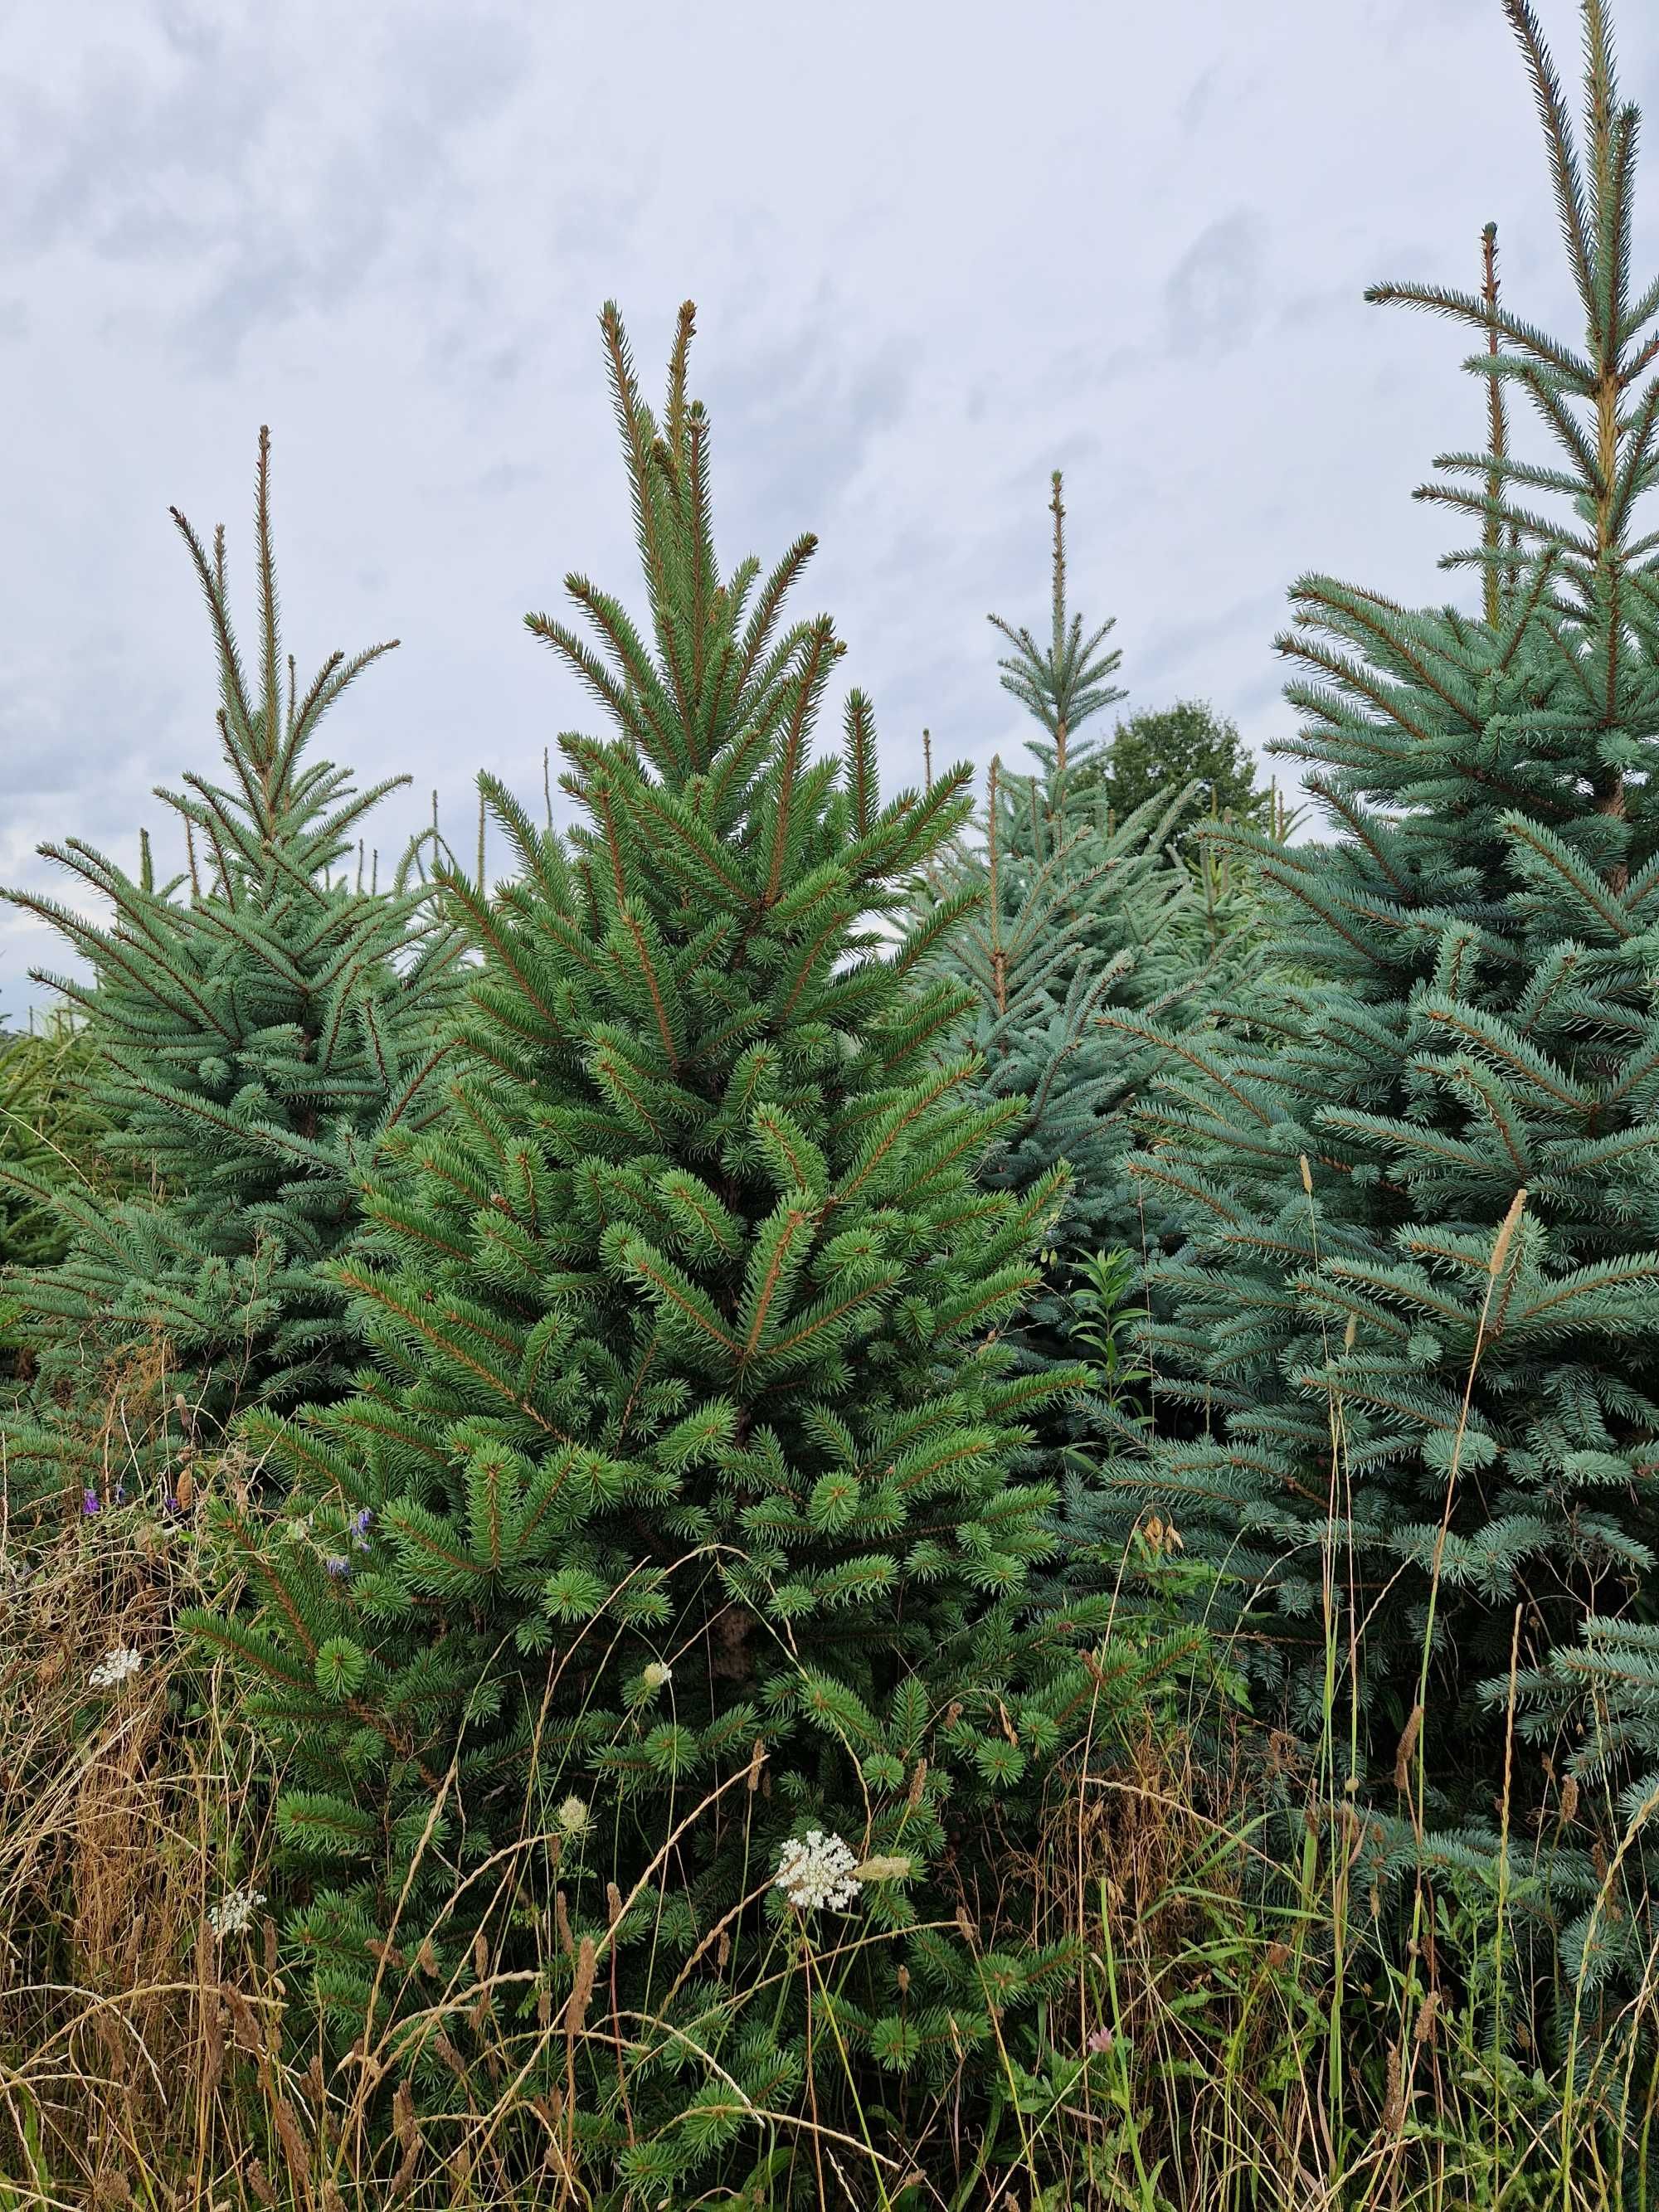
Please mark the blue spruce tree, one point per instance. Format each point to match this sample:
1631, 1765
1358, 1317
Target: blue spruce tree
249, 1031
1408, 1370
1077, 913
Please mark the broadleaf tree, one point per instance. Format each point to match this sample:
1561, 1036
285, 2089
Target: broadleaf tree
1187, 747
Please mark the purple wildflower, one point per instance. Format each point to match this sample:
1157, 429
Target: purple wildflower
360, 1529
337, 1566
89, 1502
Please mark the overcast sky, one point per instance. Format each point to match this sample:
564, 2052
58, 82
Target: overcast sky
938, 250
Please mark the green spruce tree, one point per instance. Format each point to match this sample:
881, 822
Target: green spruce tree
1412, 1334
677, 1523
249, 1031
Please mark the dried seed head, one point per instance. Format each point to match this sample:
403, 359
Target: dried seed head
890, 1866
295, 2150
244, 2026
1402, 1758
404, 2123
1511, 1223
1393, 2102
581, 1992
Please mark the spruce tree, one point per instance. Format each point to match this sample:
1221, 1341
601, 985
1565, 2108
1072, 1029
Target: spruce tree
678, 1517
249, 1030
1078, 911
1066, 685
50, 1128
1412, 1335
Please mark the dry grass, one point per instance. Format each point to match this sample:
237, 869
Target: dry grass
1207, 2057
122, 1812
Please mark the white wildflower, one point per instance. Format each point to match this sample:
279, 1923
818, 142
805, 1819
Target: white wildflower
816, 1872
657, 1676
573, 1816
233, 1914
115, 1666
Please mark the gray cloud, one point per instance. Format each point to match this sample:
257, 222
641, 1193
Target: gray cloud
1212, 296
810, 411
1195, 100
216, 159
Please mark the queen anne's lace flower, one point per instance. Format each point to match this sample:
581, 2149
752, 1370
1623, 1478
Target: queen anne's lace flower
816, 1873
115, 1666
657, 1675
573, 1816
233, 1914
